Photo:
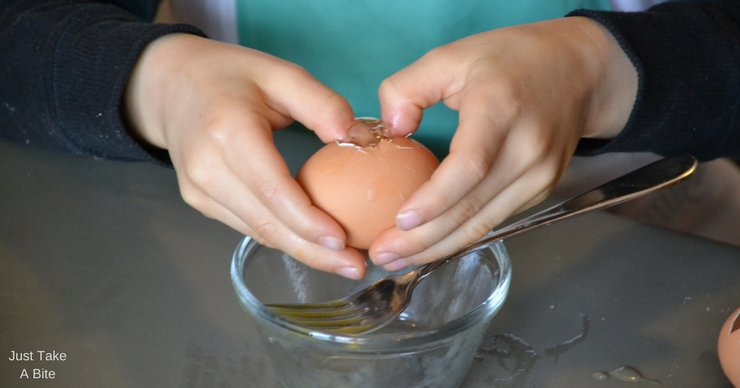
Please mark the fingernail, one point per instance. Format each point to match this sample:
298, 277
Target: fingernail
385, 258
331, 242
408, 220
396, 265
349, 272
395, 121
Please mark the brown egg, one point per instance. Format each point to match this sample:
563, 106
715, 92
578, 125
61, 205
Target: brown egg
362, 187
728, 347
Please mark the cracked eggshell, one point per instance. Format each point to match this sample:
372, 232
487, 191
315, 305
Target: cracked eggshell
363, 187
728, 347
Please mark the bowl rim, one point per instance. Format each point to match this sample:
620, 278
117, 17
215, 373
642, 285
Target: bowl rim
374, 341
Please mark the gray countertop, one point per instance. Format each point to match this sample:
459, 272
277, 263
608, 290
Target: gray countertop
103, 261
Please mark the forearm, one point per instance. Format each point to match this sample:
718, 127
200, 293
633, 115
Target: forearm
66, 65
687, 56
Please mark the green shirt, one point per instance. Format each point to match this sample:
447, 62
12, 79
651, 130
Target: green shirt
352, 45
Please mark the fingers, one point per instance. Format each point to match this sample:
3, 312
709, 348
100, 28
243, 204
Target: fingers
237, 176
472, 155
226, 198
269, 231
424, 244
405, 94
266, 176
499, 162
297, 94
520, 176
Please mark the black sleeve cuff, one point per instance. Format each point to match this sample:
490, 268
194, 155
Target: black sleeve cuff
687, 56
93, 60
65, 67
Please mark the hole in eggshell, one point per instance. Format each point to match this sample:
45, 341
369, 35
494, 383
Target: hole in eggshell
366, 132
735, 326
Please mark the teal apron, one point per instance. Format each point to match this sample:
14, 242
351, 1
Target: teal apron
352, 45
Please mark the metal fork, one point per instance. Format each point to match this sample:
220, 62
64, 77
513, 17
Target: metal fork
380, 303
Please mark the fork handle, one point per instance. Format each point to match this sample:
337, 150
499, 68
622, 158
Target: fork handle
647, 179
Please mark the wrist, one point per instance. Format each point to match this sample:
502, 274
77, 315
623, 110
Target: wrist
144, 97
615, 90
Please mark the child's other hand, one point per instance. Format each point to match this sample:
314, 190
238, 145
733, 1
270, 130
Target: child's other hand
525, 96
214, 106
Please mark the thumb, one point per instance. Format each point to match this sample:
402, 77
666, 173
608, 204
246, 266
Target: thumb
405, 94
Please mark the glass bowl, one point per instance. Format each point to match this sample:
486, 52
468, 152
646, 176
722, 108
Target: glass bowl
432, 343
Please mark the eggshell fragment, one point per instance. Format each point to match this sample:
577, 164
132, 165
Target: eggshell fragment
363, 187
728, 347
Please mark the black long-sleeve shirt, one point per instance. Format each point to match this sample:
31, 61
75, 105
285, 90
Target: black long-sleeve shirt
687, 56
65, 65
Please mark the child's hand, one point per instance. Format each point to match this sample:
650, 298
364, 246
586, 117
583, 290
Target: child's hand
525, 96
214, 106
